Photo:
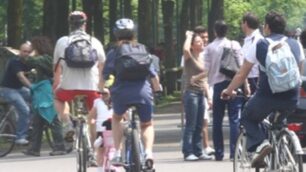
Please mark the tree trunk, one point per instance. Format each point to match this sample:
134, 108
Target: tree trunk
55, 18
112, 18
88, 8
14, 22
170, 61
127, 10
216, 12
98, 20
145, 28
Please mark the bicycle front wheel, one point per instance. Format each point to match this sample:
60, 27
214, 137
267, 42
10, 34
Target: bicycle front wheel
81, 151
136, 163
7, 137
242, 158
289, 159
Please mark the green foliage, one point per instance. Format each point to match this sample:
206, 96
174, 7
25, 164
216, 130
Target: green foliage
176, 96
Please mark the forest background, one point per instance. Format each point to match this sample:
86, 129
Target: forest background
161, 24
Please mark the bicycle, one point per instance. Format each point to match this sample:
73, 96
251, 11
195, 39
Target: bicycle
7, 128
133, 154
82, 142
285, 156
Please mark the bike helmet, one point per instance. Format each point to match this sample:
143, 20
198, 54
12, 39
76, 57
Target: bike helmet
124, 29
77, 18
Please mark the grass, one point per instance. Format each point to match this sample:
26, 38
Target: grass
167, 99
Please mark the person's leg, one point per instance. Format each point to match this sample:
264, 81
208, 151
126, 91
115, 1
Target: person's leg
38, 124
197, 135
58, 138
234, 110
117, 131
190, 104
218, 115
15, 98
206, 145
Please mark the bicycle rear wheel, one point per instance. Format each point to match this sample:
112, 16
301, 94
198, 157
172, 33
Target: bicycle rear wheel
289, 160
135, 158
7, 137
81, 151
242, 158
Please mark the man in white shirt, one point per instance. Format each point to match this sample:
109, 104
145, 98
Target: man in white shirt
249, 26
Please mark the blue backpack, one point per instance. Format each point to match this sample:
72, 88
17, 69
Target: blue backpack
132, 62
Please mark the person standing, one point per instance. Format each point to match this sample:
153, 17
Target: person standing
219, 81
15, 90
195, 87
249, 26
264, 100
42, 98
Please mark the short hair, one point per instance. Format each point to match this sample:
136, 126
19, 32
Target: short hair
42, 45
200, 29
276, 22
77, 19
220, 28
251, 20
303, 38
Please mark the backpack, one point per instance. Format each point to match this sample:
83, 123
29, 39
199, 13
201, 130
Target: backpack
132, 62
80, 53
281, 67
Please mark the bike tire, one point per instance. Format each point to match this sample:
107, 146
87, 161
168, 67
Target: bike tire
135, 157
287, 148
7, 137
81, 151
242, 158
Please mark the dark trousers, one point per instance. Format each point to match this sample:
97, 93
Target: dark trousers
234, 109
56, 130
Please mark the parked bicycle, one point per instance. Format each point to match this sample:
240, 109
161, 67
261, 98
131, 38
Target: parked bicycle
285, 156
133, 154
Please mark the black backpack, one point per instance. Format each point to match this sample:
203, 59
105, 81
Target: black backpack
132, 62
80, 53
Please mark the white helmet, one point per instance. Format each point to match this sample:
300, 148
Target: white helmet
124, 28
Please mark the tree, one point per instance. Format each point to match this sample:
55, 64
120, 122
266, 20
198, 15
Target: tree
112, 18
98, 20
216, 12
14, 22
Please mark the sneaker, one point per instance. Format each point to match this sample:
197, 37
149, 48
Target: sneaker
57, 152
191, 157
204, 156
262, 151
31, 153
209, 151
117, 161
22, 141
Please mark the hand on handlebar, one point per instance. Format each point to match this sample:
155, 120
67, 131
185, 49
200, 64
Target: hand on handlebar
226, 94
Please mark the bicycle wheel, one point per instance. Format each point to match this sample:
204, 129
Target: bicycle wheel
135, 157
288, 158
7, 137
242, 158
81, 151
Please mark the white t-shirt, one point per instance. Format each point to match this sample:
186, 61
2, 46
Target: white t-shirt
78, 78
103, 113
249, 51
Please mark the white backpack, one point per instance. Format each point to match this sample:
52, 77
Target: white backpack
281, 67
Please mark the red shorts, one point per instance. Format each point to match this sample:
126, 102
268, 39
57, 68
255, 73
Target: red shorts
68, 95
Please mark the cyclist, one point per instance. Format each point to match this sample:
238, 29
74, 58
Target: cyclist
15, 90
125, 93
263, 102
70, 82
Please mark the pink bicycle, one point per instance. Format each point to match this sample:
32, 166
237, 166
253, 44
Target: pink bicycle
108, 153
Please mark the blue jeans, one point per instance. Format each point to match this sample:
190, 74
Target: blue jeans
194, 113
258, 108
234, 109
19, 98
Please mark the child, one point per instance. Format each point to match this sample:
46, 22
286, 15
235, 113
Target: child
100, 113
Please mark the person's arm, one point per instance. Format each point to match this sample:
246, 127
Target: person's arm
187, 45
208, 94
23, 79
238, 80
